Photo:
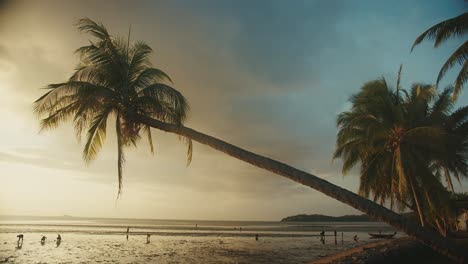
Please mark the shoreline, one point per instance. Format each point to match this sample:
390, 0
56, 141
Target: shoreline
349, 252
399, 250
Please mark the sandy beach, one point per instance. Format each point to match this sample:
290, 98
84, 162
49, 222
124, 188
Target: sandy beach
401, 250
173, 241
85, 248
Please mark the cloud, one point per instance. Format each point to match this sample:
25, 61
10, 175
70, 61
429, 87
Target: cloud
266, 76
3, 52
276, 42
34, 160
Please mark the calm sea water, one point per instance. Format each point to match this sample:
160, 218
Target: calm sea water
94, 240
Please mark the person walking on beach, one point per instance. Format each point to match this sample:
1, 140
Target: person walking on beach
322, 237
43, 239
256, 237
128, 231
59, 240
148, 238
20, 238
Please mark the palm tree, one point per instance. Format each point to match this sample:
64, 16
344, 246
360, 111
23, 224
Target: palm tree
404, 145
454, 27
115, 79
455, 163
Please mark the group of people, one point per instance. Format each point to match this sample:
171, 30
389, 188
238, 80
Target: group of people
322, 237
148, 236
19, 243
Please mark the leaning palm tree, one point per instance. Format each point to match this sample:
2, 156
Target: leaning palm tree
404, 145
454, 27
113, 80
116, 80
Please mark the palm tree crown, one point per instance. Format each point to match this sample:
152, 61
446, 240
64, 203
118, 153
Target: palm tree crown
404, 145
114, 79
451, 28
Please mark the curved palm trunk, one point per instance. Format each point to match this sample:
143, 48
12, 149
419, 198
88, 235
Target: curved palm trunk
416, 200
374, 210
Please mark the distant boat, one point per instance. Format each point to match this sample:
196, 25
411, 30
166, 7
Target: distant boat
380, 235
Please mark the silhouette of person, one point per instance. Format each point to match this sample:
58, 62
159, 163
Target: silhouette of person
20, 238
43, 239
256, 237
128, 231
356, 238
59, 240
148, 238
322, 234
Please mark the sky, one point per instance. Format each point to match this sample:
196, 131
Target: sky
269, 76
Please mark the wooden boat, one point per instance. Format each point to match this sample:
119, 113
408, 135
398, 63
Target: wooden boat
380, 235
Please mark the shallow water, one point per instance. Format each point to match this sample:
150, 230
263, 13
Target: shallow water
104, 241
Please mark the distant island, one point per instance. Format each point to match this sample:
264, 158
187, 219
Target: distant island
326, 218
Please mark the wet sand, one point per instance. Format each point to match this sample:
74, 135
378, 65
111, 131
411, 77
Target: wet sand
401, 251
97, 248
103, 240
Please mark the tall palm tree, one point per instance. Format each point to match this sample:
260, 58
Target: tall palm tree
115, 79
404, 145
454, 27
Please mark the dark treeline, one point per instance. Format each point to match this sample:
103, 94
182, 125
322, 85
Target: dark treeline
326, 218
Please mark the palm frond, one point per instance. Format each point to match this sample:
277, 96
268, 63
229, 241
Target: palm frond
189, 144
459, 56
120, 154
149, 76
454, 27
96, 135
139, 58
55, 118
461, 79
147, 129
442, 106
398, 83
171, 96
89, 26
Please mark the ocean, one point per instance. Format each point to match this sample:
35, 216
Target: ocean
103, 240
